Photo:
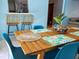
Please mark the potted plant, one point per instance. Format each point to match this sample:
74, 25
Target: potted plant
59, 26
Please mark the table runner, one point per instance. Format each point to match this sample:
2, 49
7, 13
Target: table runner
58, 39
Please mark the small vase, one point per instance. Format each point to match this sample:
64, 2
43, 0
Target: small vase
60, 28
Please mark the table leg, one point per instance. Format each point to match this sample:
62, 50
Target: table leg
40, 55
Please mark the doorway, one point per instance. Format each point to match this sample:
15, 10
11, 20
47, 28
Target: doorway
50, 14
54, 9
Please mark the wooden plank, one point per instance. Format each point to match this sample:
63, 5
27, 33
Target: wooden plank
43, 44
31, 46
24, 47
36, 45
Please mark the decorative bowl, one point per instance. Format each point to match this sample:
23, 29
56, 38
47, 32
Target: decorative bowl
29, 37
61, 29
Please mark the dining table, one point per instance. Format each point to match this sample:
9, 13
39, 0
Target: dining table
41, 44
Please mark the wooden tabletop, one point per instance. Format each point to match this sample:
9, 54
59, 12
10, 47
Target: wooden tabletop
30, 47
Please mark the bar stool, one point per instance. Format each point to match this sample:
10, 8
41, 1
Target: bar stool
12, 21
27, 20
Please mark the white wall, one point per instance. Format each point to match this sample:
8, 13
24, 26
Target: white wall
72, 8
3, 12
39, 8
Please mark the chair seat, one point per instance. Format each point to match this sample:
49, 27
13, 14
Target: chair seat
38, 27
51, 54
18, 54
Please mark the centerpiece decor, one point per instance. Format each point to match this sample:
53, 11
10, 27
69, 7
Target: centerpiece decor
59, 25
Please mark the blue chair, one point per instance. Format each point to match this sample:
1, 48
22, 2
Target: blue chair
38, 27
69, 51
51, 54
17, 52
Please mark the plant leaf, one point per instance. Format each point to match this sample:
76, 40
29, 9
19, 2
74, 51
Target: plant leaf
58, 19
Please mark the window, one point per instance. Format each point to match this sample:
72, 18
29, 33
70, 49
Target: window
18, 6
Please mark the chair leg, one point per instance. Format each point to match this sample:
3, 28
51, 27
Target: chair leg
30, 27
22, 26
17, 27
8, 29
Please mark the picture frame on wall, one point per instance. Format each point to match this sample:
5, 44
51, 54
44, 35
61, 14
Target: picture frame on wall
18, 6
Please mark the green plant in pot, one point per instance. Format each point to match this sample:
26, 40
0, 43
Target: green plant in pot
61, 23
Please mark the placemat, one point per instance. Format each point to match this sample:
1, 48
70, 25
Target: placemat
40, 30
58, 39
75, 33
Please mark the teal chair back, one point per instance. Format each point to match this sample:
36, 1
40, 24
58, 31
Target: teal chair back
38, 27
16, 52
7, 38
68, 51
